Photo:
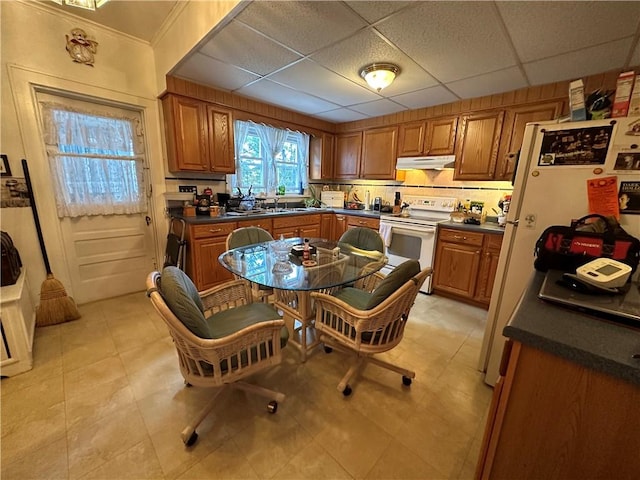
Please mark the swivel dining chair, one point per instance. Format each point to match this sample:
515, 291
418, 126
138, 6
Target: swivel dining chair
370, 242
242, 237
366, 323
221, 335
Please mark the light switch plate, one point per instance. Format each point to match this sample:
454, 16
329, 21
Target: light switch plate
187, 189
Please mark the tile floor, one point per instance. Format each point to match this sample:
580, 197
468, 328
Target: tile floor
105, 400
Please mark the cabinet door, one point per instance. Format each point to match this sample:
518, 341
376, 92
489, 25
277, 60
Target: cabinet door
309, 231
321, 153
209, 271
441, 136
186, 134
379, 149
326, 224
220, 136
339, 226
456, 268
477, 147
488, 267
356, 221
411, 139
348, 149
286, 232
516, 120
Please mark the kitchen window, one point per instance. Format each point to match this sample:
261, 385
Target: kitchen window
269, 158
96, 157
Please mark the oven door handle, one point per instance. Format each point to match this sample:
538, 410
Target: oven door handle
411, 230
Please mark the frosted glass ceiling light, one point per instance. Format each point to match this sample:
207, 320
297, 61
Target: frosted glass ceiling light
379, 75
87, 4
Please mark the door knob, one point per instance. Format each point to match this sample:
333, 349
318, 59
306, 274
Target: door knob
148, 220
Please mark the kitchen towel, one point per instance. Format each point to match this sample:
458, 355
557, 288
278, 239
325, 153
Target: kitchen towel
386, 232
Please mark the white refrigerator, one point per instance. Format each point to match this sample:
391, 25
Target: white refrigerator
556, 160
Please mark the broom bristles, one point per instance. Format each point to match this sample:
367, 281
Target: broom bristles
55, 306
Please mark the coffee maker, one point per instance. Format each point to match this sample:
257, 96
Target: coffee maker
377, 204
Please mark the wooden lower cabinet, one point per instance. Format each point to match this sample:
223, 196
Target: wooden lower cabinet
264, 223
307, 226
552, 418
339, 226
205, 243
356, 221
326, 225
465, 265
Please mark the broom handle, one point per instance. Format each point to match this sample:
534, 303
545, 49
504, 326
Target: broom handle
35, 216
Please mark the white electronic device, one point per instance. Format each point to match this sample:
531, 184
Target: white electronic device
604, 272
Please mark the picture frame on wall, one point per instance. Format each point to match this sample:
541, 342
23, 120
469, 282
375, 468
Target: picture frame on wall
5, 169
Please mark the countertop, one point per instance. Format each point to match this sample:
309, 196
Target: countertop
486, 227
204, 219
585, 339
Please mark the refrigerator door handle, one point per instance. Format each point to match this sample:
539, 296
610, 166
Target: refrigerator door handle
513, 222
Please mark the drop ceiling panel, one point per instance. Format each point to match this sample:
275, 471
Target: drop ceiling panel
341, 115
451, 40
241, 46
203, 69
427, 97
285, 97
303, 26
348, 57
377, 108
374, 11
577, 64
489, 83
535, 26
307, 76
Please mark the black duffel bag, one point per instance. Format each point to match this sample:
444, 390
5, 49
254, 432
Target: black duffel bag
566, 248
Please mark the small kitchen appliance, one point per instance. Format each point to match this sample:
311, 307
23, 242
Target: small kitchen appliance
377, 204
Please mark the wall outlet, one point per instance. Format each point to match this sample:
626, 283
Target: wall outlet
187, 189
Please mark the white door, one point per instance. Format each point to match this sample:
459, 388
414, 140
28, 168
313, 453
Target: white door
107, 255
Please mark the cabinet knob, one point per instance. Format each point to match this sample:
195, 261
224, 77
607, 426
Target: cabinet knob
459, 237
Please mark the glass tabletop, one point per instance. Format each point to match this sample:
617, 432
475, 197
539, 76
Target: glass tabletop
279, 264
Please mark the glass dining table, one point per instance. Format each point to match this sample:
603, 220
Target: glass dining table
279, 264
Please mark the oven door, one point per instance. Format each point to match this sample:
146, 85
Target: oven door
411, 242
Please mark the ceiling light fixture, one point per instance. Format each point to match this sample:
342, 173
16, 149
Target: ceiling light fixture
379, 75
86, 4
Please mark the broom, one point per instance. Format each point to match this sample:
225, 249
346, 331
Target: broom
55, 306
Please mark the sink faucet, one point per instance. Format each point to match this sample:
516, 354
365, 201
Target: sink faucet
275, 203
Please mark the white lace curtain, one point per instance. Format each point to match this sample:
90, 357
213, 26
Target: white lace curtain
273, 140
96, 161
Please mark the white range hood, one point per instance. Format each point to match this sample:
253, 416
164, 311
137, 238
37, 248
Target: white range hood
439, 162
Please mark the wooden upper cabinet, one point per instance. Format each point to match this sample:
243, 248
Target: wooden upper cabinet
411, 139
379, 148
221, 145
348, 151
477, 146
321, 156
513, 133
441, 136
186, 132
199, 136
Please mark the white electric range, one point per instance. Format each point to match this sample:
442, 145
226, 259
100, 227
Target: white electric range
413, 236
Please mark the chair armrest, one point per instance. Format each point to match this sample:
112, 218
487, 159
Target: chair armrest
370, 282
229, 294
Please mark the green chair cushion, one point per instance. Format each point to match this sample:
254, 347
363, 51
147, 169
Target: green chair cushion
355, 297
248, 236
182, 298
392, 282
229, 321
363, 238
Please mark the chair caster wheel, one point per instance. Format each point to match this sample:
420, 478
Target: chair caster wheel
347, 391
328, 349
191, 440
272, 407
406, 381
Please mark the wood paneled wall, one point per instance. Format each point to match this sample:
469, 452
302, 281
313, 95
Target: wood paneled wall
248, 109
551, 91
